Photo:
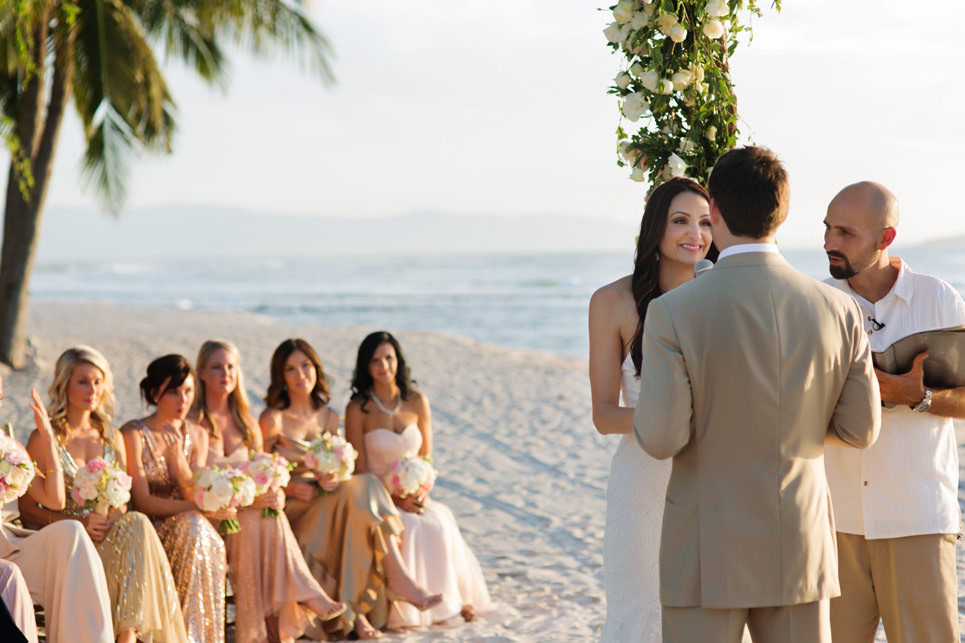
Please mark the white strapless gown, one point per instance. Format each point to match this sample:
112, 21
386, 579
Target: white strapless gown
635, 495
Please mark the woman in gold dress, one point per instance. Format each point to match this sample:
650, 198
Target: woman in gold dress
163, 449
349, 533
143, 600
275, 593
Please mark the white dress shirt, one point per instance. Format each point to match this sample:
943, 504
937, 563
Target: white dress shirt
906, 483
741, 248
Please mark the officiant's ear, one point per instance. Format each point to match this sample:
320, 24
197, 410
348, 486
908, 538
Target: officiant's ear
886, 237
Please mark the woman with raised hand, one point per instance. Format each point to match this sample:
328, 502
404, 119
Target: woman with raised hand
163, 450
143, 599
385, 419
59, 563
273, 585
349, 529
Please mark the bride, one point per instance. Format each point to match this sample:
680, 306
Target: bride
674, 235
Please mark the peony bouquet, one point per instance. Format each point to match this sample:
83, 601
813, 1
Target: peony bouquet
409, 474
101, 486
331, 455
16, 470
224, 488
269, 471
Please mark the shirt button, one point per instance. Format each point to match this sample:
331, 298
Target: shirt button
870, 331
866, 483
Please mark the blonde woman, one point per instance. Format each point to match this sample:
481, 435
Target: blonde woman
273, 585
143, 599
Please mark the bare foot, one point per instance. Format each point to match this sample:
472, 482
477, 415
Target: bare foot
403, 587
326, 608
468, 613
364, 629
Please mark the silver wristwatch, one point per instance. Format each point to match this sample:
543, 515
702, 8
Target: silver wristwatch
925, 404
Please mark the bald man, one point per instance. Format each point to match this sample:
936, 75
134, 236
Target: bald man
895, 504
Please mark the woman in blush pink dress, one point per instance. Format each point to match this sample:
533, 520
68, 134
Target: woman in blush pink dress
275, 593
385, 419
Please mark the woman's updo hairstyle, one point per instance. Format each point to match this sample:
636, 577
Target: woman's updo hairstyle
163, 374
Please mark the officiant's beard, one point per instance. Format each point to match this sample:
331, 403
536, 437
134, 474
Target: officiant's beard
842, 271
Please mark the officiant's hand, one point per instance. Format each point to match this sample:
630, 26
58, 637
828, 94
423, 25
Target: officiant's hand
906, 388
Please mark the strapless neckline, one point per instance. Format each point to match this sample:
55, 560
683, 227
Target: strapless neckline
393, 432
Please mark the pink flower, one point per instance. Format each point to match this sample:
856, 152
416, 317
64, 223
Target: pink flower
96, 465
123, 481
262, 479
310, 461
15, 457
75, 494
3, 485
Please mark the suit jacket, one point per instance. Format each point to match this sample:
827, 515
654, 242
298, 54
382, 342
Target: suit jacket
746, 370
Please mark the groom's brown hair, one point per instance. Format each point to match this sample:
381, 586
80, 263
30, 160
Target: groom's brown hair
751, 190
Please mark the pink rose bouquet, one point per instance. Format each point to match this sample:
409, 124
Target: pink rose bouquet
331, 455
224, 488
101, 486
16, 470
409, 474
269, 471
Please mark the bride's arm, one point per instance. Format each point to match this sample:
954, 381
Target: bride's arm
606, 359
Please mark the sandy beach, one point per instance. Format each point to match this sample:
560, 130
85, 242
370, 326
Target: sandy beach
520, 463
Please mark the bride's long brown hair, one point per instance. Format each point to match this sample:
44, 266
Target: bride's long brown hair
645, 281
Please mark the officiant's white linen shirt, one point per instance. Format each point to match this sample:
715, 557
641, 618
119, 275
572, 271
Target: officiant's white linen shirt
906, 483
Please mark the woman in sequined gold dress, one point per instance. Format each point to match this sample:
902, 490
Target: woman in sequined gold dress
163, 450
275, 592
143, 599
350, 533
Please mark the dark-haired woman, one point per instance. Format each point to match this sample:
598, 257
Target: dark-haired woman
349, 533
164, 449
674, 236
275, 593
385, 419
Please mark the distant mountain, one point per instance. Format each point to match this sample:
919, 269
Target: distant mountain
192, 230
950, 242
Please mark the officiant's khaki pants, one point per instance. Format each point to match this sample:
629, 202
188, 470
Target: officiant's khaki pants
804, 623
909, 583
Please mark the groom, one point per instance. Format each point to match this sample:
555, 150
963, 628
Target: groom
747, 371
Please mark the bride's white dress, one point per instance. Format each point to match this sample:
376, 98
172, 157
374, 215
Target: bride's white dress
635, 496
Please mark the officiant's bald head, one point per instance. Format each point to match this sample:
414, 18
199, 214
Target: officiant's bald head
859, 227
872, 200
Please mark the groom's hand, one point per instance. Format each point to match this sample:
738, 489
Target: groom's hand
906, 388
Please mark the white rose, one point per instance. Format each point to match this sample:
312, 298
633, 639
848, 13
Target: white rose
623, 12
711, 133
676, 165
716, 8
680, 80
246, 491
665, 21
697, 73
221, 491
636, 69
665, 86
621, 80
677, 33
615, 33
713, 29
639, 20
634, 106
650, 80
638, 175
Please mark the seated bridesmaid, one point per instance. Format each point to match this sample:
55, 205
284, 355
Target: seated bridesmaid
385, 419
163, 449
270, 578
59, 562
143, 599
350, 533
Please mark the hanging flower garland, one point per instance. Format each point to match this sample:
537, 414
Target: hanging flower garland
678, 111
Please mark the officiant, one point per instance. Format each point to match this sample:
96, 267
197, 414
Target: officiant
895, 504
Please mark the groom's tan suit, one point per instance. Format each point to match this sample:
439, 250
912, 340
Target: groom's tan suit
746, 371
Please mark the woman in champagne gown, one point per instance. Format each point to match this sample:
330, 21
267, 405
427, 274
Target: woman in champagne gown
275, 593
349, 531
143, 599
674, 235
385, 419
164, 449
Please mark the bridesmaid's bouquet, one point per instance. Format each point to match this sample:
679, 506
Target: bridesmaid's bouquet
409, 474
101, 486
16, 470
331, 455
224, 488
269, 471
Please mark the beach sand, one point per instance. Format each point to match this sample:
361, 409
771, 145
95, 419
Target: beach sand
519, 461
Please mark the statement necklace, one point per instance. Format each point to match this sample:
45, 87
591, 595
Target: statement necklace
398, 405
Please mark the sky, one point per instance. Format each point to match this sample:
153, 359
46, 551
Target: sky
499, 108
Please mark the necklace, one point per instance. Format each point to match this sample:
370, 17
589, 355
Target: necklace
375, 399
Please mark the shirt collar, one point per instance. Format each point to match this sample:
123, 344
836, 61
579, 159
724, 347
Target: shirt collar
742, 248
904, 286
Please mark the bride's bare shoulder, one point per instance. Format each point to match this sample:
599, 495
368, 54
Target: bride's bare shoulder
614, 296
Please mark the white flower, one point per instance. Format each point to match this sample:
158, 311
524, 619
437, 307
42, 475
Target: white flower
636, 69
697, 74
649, 79
639, 20
622, 80
713, 29
626, 151
665, 21
680, 80
711, 132
676, 165
665, 86
221, 492
716, 8
638, 175
686, 146
623, 12
634, 106
615, 33
677, 33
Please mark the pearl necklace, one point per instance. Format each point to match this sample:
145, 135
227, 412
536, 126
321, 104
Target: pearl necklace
398, 405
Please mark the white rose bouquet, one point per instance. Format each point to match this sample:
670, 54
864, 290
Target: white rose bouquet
101, 486
16, 470
224, 488
269, 471
409, 474
331, 455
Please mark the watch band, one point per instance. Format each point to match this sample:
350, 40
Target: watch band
925, 403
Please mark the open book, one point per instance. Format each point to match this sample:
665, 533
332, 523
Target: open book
945, 366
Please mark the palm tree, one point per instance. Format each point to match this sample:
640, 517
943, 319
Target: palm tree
101, 54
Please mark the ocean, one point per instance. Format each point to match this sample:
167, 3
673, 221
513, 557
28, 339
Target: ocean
530, 301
